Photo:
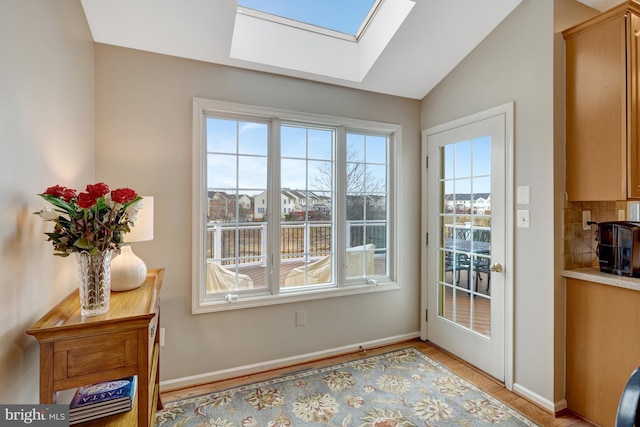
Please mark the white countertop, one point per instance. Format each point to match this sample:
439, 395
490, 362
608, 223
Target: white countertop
593, 274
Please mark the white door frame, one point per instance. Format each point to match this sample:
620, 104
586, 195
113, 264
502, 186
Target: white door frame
508, 110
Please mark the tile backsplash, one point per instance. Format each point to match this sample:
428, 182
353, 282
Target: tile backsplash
580, 245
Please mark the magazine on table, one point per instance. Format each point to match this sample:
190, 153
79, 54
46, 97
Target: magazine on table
82, 417
103, 398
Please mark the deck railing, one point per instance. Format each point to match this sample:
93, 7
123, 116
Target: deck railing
298, 240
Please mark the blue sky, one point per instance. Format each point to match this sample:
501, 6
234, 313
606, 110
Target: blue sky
344, 16
238, 156
465, 159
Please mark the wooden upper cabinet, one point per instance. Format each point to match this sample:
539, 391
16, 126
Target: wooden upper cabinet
602, 116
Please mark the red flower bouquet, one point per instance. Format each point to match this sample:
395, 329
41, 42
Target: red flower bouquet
91, 221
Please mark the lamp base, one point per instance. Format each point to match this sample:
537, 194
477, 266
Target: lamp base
128, 271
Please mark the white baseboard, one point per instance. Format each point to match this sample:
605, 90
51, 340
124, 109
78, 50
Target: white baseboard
553, 407
208, 377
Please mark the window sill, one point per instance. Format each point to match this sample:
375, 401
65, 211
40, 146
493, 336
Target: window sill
289, 297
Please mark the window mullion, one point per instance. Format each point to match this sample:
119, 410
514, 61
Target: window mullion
339, 197
273, 207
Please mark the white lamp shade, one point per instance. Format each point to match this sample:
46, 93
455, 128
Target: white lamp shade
142, 229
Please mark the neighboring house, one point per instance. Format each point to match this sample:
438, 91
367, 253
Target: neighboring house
260, 206
479, 203
222, 206
292, 202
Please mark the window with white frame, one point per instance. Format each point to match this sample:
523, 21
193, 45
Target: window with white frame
290, 206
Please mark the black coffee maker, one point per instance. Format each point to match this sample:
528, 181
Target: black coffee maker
619, 247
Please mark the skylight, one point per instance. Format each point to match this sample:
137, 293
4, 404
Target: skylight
344, 17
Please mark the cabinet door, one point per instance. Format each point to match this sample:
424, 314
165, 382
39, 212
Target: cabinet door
596, 112
603, 347
634, 113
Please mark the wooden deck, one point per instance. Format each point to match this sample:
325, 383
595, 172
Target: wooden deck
469, 305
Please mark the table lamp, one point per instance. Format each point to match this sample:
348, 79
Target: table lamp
128, 271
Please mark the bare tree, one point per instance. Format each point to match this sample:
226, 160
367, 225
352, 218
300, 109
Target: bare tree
361, 186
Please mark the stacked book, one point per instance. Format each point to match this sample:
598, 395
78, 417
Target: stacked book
102, 399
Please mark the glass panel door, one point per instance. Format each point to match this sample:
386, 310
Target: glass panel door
464, 291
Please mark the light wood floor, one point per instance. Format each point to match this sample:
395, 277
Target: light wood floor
486, 383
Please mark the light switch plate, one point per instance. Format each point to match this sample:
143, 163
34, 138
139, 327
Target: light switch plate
523, 220
524, 195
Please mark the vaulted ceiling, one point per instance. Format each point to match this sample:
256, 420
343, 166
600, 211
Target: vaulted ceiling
409, 47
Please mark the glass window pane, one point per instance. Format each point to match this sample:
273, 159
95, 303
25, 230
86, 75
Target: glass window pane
293, 142
221, 135
355, 207
320, 176
376, 207
462, 159
321, 206
376, 179
367, 216
482, 156
355, 177
221, 171
293, 174
252, 172
377, 149
336, 15
236, 240
253, 138
465, 221
320, 144
306, 206
355, 147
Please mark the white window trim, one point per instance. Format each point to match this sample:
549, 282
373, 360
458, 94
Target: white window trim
200, 304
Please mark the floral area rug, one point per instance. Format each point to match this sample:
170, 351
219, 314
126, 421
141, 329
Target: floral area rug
398, 389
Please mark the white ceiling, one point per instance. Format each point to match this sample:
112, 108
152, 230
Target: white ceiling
601, 5
432, 39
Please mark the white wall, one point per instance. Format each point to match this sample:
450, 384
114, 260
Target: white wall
515, 63
143, 140
143, 133
46, 138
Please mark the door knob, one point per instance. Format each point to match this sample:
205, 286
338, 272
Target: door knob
497, 267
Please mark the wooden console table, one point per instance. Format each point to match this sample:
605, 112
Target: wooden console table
76, 351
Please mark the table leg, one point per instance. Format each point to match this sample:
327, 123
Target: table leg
47, 393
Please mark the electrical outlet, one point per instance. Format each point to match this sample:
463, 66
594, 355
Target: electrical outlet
586, 218
161, 337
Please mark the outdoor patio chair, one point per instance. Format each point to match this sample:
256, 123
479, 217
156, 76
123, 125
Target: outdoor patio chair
220, 279
482, 265
360, 262
456, 263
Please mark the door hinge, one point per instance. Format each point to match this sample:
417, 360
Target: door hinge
426, 162
426, 315
426, 239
